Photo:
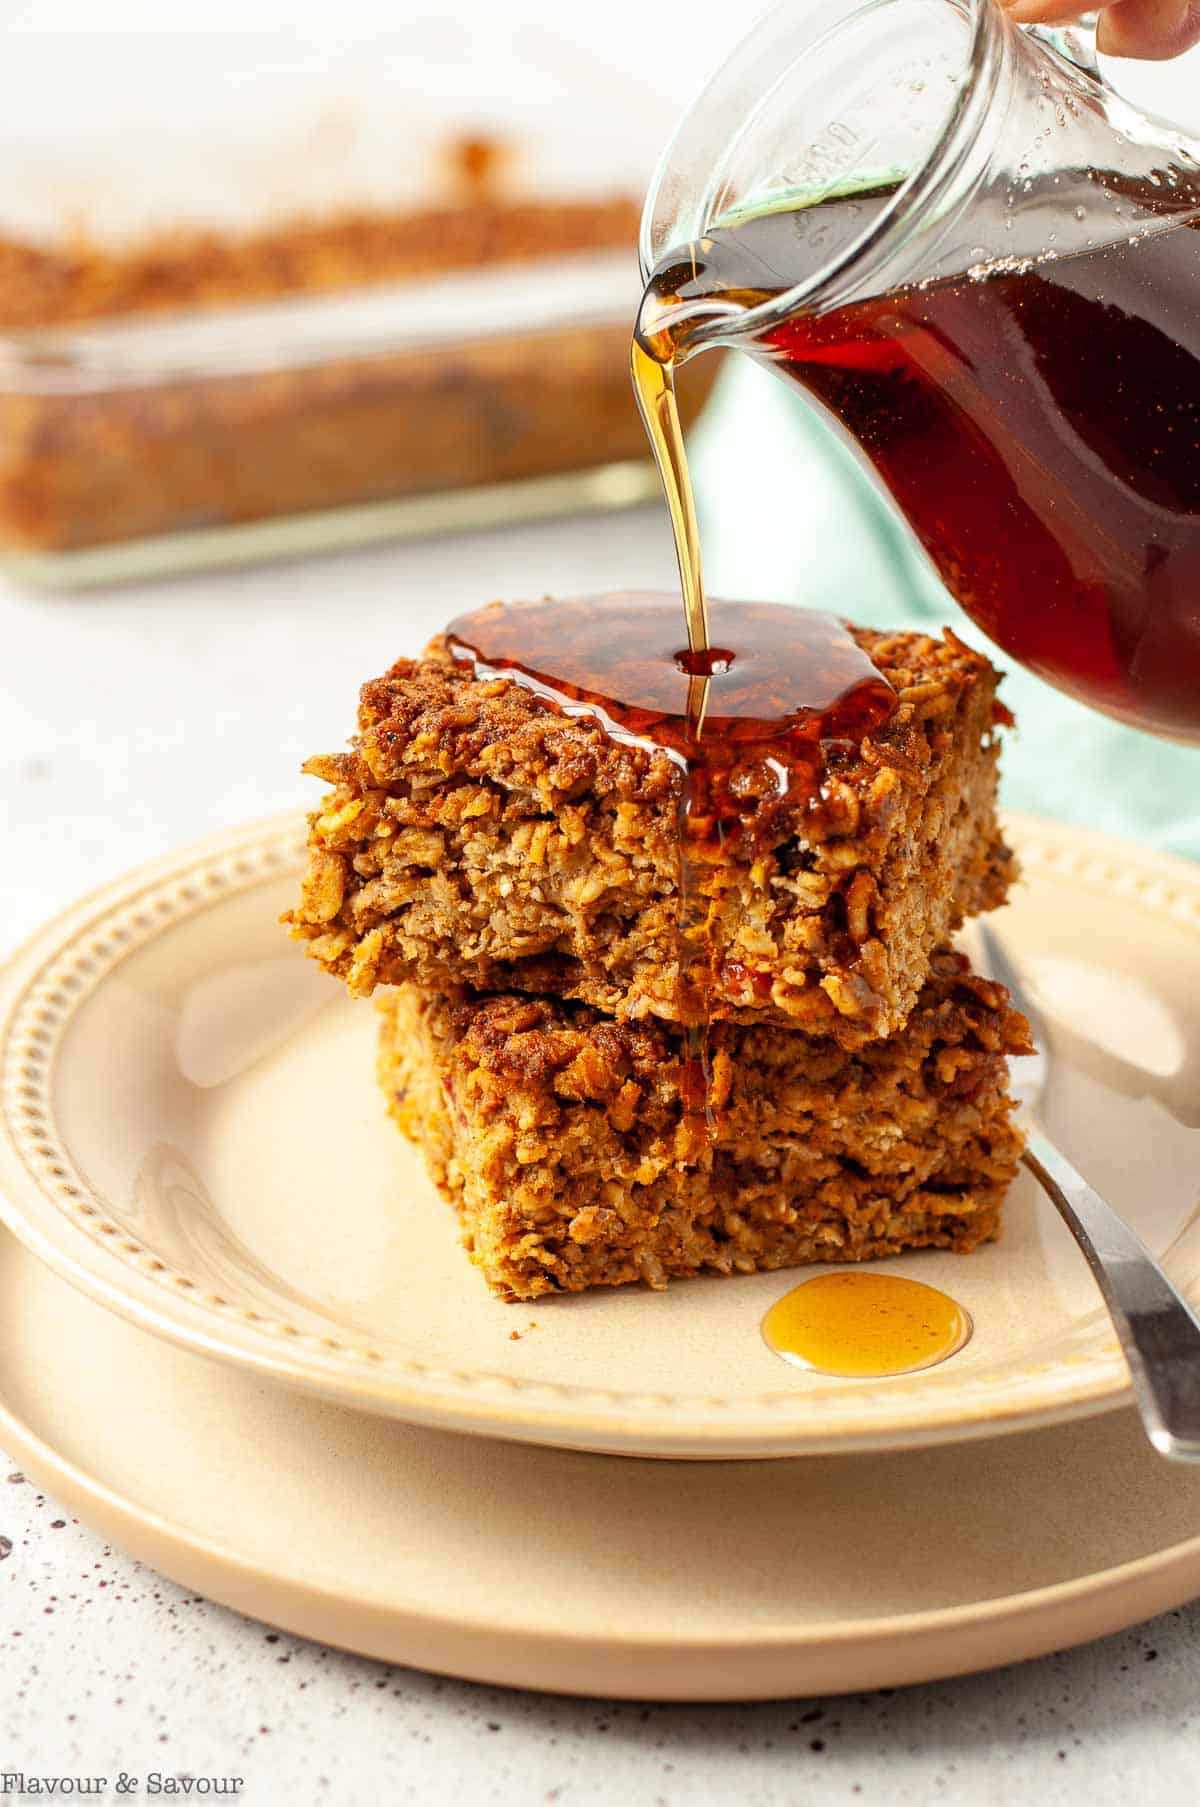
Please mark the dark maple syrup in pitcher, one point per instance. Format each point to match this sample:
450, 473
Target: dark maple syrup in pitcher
1038, 422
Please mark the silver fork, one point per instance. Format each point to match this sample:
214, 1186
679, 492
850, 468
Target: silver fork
1158, 1330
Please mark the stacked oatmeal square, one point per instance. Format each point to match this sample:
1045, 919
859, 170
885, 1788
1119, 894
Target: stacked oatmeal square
507, 875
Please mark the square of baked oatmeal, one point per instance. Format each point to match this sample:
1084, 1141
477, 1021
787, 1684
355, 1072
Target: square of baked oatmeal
476, 834
560, 1135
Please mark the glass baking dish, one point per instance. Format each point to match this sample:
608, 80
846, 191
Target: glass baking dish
394, 296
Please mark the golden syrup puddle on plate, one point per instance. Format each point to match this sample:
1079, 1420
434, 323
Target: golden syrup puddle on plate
865, 1326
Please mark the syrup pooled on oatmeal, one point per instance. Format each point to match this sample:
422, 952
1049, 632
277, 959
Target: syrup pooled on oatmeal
864, 1325
749, 721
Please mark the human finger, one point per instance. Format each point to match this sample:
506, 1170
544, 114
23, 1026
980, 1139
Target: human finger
1151, 29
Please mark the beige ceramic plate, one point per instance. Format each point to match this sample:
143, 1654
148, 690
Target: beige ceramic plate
546, 1568
191, 1133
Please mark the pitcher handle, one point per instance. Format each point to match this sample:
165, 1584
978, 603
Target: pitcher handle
1076, 42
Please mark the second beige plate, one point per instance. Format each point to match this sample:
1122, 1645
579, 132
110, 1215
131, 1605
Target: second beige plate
191, 1133
586, 1574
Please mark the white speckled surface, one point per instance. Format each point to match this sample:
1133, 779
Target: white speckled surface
107, 756
103, 1666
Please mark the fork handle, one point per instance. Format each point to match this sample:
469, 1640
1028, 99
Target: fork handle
1158, 1330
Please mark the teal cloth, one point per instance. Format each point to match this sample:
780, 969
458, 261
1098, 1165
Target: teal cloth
787, 513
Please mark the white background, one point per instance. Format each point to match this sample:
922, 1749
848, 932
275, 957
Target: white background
136, 719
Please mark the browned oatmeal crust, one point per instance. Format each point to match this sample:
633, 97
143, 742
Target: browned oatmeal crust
474, 835
196, 269
557, 1135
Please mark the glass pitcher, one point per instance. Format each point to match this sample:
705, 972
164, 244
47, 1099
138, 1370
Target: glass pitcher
985, 266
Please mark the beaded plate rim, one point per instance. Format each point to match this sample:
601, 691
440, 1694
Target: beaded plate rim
46, 1201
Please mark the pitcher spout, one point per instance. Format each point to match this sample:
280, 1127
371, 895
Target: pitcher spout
683, 310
